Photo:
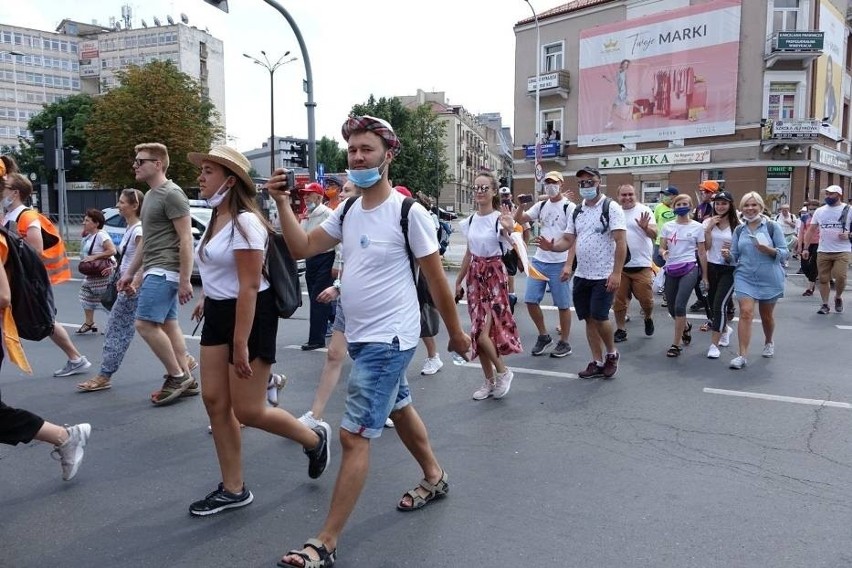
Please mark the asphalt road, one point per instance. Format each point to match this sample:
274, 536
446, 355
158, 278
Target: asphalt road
647, 470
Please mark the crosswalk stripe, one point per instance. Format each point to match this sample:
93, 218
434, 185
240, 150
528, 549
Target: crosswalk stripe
779, 398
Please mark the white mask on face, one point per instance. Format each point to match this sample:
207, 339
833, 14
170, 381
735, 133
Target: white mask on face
750, 218
552, 189
7, 203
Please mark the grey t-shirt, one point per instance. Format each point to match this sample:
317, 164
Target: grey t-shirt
161, 244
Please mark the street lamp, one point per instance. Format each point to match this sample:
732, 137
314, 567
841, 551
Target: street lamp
271, 67
539, 172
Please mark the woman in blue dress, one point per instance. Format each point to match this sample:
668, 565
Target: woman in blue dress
758, 250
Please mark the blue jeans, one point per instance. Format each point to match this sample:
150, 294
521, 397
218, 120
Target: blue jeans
377, 386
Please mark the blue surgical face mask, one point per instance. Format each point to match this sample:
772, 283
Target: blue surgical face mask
366, 178
311, 205
217, 198
7, 203
831, 200
588, 192
682, 211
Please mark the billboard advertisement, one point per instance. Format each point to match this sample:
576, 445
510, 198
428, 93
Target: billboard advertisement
665, 76
829, 73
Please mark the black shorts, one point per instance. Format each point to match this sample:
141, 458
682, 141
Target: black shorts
591, 299
219, 319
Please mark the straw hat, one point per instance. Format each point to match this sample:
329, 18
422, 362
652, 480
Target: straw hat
229, 158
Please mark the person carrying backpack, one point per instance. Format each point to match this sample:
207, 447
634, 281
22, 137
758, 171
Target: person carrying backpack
42, 235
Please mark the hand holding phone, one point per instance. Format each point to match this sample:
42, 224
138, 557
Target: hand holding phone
525, 198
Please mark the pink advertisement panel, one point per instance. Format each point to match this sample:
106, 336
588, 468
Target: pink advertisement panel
666, 76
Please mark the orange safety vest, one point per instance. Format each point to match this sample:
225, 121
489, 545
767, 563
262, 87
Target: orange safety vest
53, 253
11, 341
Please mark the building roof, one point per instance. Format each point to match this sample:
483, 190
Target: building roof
573, 6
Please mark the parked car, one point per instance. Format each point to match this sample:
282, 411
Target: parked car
115, 226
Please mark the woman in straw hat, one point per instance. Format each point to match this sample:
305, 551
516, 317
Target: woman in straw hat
240, 328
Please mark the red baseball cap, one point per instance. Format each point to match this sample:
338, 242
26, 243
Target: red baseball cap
313, 187
403, 190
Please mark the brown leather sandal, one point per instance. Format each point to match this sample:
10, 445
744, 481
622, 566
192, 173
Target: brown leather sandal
433, 492
98, 383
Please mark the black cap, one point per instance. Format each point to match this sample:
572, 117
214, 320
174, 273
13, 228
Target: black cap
589, 170
723, 196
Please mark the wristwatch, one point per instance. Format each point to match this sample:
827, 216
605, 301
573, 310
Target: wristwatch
336, 284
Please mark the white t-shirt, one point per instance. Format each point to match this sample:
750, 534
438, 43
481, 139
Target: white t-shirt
553, 218
95, 241
218, 267
483, 238
12, 217
128, 245
682, 240
718, 237
640, 244
830, 227
595, 247
377, 290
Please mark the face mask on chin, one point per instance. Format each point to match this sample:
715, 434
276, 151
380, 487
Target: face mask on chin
217, 198
366, 178
751, 218
310, 206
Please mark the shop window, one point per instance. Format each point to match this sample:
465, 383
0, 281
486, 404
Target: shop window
651, 192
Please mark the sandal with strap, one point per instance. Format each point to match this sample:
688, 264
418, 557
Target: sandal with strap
674, 351
87, 327
326, 558
705, 326
433, 492
687, 334
98, 383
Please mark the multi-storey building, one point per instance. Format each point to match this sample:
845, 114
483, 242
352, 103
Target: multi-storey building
673, 92
471, 144
290, 153
39, 67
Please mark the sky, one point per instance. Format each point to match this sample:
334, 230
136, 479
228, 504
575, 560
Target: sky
387, 48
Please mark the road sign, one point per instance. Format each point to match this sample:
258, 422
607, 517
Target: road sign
539, 172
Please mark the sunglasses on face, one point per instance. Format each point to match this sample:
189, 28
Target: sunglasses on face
140, 161
586, 183
481, 188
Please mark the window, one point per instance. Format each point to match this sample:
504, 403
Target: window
651, 192
782, 101
551, 124
552, 57
784, 15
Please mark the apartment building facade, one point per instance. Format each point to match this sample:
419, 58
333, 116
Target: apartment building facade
673, 92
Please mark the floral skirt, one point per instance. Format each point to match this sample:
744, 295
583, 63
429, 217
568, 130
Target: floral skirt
488, 298
91, 290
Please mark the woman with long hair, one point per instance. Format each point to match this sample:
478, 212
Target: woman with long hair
240, 328
718, 230
121, 323
758, 250
682, 248
96, 245
493, 331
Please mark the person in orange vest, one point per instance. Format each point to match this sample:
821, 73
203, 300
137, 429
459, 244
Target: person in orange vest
39, 232
19, 426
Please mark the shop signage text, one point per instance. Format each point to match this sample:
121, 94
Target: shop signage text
548, 81
652, 160
833, 160
799, 41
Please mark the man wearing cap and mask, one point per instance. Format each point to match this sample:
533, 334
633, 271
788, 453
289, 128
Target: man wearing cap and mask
318, 268
663, 214
332, 192
599, 231
379, 298
833, 220
552, 213
704, 196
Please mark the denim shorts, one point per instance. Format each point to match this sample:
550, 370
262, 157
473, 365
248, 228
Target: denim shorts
377, 386
592, 299
158, 299
339, 317
561, 291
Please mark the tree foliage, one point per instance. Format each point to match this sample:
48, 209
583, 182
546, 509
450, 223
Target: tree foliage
76, 111
421, 166
331, 155
155, 103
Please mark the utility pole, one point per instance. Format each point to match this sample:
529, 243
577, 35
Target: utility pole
60, 167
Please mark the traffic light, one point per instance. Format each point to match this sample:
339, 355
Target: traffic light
300, 154
45, 145
221, 4
71, 157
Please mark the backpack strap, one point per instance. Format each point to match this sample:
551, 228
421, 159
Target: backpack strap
403, 223
346, 207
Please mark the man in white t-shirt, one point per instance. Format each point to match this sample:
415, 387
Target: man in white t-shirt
552, 214
379, 299
636, 276
833, 220
598, 231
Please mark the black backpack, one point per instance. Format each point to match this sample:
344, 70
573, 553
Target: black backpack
604, 222
423, 295
32, 295
281, 271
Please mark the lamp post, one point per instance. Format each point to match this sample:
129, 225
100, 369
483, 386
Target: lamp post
539, 172
271, 67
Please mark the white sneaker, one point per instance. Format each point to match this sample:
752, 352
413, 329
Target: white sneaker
70, 453
713, 352
308, 420
388, 423
769, 350
432, 365
504, 383
485, 390
725, 338
73, 367
274, 385
738, 362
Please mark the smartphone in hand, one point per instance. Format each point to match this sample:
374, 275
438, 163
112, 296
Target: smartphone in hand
525, 198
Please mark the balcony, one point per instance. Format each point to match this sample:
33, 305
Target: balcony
796, 133
555, 83
802, 47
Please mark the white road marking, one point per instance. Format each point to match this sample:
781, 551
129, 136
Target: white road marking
843, 326
778, 398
